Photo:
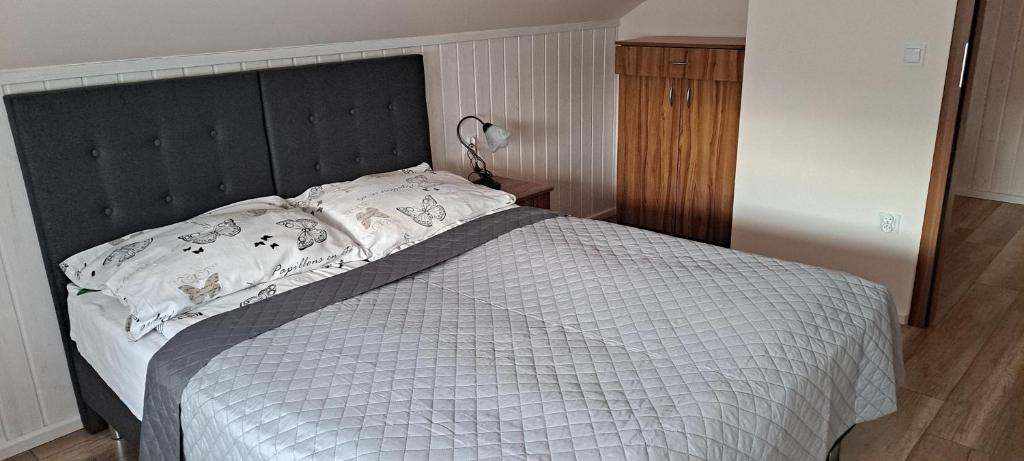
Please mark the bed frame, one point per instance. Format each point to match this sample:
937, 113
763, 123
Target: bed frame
103, 162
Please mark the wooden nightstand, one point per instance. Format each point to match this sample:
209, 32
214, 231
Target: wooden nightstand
527, 193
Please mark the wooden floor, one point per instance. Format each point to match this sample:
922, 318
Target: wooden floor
80, 446
964, 394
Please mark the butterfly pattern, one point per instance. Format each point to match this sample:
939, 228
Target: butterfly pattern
426, 169
367, 217
423, 182
309, 233
66, 268
263, 242
426, 214
159, 273
263, 294
227, 228
311, 204
188, 315
124, 253
207, 292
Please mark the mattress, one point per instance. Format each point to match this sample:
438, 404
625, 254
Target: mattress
563, 339
97, 324
97, 328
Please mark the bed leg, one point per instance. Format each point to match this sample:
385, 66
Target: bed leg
91, 421
833, 454
114, 435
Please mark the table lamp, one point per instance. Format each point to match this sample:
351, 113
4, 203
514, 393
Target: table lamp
496, 137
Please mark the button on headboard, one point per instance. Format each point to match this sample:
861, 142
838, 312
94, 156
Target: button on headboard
337, 122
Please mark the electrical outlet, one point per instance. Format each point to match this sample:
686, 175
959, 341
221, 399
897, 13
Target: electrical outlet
889, 222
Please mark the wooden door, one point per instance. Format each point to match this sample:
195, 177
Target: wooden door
650, 117
990, 149
707, 166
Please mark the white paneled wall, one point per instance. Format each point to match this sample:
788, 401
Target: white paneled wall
552, 86
990, 152
555, 92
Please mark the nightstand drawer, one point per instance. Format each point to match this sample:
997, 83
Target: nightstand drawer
527, 193
537, 201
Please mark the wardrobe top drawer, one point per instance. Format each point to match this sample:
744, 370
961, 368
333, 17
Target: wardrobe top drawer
688, 63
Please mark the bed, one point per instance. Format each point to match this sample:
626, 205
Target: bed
520, 334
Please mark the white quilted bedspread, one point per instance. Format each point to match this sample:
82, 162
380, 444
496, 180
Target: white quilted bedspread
566, 339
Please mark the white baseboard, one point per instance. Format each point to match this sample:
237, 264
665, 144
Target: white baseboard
602, 215
1018, 199
40, 436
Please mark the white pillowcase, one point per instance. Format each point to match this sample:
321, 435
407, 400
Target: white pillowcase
164, 272
251, 295
390, 211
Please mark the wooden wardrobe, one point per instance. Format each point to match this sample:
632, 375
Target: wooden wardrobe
679, 111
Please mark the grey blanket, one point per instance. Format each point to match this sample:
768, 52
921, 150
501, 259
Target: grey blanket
562, 339
174, 365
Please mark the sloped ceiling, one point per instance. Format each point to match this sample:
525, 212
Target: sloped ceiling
47, 32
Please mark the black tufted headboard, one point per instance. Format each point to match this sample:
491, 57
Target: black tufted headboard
335, 123
103, 162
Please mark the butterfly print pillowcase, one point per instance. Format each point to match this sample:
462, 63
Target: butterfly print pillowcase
163, 273
252, 295
390, 211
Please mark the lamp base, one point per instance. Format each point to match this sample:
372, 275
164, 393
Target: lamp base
488, 181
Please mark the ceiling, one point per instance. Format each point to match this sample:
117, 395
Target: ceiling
48, 32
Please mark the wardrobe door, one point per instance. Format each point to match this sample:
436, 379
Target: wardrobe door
651, 111
708, 169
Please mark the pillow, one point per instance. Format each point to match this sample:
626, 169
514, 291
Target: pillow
164, 272
251, 295
390, 211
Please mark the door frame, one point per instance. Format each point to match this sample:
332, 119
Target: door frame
942, 161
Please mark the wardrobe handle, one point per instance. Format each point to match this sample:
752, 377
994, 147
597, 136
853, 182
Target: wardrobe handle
680, 63
671, 95
687, 95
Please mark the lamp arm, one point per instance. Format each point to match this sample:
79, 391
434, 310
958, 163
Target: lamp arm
479, 164
458, 130
478, 160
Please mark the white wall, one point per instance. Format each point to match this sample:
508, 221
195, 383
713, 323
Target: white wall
834, 128
553, 86
47, 32
709, 18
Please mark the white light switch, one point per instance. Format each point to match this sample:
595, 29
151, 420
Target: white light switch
913, 54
